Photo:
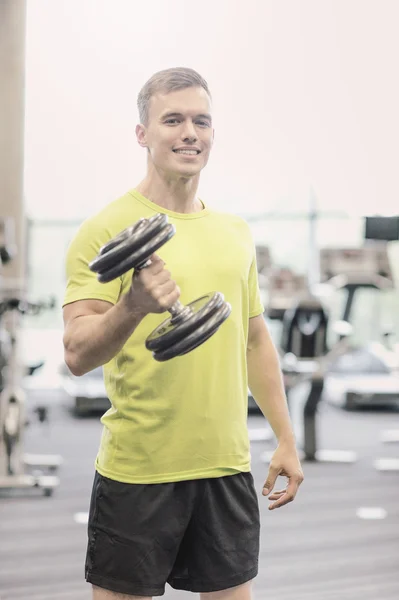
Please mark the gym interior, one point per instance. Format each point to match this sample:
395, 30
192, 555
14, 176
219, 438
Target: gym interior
310, 159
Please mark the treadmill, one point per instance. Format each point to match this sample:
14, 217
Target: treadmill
368, 374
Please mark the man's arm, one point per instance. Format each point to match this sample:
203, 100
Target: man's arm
265, 379
95, 330
266, 384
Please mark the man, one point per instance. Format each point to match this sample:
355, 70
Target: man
173, 496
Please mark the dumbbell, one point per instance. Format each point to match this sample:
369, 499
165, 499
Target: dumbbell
188, 326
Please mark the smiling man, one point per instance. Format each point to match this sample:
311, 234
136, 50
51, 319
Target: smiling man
173, 497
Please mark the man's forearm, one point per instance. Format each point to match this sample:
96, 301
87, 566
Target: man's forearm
266, 384
93, 340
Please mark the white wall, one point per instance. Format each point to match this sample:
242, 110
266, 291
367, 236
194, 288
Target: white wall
305, 92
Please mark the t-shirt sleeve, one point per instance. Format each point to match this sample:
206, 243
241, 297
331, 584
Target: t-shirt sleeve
255, 302
81, 282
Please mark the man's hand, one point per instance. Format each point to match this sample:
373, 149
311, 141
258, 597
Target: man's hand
285, 462
152, 289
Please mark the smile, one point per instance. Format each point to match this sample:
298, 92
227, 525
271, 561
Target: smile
187, 152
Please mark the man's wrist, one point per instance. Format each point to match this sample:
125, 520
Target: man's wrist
286, 438
132, 309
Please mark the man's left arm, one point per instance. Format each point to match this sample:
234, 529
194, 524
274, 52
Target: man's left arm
266, 384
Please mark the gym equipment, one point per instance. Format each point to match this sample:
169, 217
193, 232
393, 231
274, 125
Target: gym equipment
283, 286
305, 329
304, 357
367, 373
355, 268
14, 465
188, 326
385, 229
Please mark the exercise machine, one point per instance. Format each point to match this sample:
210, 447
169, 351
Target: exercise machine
18, 471
367, 373
284, 285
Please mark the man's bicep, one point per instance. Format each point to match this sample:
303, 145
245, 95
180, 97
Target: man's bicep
81, 308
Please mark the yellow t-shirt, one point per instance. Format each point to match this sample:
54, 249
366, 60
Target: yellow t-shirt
185, 418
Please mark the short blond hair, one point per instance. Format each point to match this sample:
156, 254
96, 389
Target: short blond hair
168, 80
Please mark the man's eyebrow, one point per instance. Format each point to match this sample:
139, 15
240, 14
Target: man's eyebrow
205, 116
170, 115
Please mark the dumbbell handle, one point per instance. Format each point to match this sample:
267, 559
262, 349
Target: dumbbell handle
177, 310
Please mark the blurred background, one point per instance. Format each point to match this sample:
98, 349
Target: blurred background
306, 150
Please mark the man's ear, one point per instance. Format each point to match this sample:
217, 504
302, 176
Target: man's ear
141, 135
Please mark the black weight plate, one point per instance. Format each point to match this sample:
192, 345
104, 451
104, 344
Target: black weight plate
169, 332
196, 338
139, 258
206, 331
119, 247
142, 231
124, 235
127, 242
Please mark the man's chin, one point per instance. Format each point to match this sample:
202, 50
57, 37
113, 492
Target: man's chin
182, 171
188, 173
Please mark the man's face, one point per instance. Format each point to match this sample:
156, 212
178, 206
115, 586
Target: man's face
179, 133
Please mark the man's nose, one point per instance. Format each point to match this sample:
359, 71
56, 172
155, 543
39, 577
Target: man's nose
189, 133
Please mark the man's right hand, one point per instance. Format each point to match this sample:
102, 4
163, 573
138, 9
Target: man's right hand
152, 289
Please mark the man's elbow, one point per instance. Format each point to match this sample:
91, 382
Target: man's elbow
72, 360
74, 364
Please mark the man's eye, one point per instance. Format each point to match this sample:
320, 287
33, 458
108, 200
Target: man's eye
203, 123
172, 121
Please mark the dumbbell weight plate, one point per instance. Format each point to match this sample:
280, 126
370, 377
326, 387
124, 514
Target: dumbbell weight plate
139, 258
127, 241
196, 338
171, 330
185, 343
132, 248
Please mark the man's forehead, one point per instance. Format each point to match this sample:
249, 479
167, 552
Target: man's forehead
190, 101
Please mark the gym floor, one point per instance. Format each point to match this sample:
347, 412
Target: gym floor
318, 547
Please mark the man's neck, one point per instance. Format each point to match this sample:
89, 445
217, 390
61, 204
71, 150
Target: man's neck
175, 195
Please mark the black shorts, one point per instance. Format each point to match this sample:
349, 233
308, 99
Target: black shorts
200, 536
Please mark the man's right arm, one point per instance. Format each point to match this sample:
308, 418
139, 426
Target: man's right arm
96, 330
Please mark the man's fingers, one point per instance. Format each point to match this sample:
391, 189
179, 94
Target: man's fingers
167, 301
287, 496
154, 258
277, 494
270, 481
157, 264
282, 501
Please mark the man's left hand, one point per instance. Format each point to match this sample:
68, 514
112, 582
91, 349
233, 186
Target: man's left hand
285, 462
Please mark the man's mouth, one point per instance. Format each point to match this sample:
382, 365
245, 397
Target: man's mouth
192, 152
